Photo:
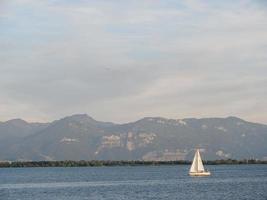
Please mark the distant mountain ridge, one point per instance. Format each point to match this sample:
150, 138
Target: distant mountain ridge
80, 137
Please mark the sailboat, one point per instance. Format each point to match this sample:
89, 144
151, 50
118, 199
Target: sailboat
197, 168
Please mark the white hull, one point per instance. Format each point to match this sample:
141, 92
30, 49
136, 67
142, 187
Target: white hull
199, 173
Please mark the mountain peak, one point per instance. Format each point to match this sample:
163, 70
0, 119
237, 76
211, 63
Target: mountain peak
234, 118
79, 117
16, 121
153, 118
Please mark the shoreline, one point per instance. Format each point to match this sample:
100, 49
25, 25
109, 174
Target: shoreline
106, 163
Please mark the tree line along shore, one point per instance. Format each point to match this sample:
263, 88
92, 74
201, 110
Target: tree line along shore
99, 163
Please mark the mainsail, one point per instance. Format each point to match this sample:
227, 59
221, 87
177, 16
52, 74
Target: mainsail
197, 165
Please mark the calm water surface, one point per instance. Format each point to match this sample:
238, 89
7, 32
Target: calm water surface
128, 183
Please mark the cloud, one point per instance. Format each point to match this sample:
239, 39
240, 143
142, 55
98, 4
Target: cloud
122, 60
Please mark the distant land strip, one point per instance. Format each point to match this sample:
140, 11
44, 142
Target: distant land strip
100, 163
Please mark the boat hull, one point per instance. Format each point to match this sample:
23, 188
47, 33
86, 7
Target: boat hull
199, 173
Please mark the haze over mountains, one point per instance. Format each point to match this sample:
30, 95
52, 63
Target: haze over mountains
80, 137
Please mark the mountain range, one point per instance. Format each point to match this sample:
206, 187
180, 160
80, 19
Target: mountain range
80, 137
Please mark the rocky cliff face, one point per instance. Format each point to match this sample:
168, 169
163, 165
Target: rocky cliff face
80, 137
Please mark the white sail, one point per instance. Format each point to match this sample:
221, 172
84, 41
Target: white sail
200, 167
197, 165
194, 164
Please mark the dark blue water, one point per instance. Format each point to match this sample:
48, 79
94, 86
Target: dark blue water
144, 182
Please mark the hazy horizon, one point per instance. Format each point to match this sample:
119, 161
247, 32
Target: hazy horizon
120, 61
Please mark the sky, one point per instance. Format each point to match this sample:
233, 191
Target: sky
122, 60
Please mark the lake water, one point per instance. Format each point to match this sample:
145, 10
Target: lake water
131, 183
